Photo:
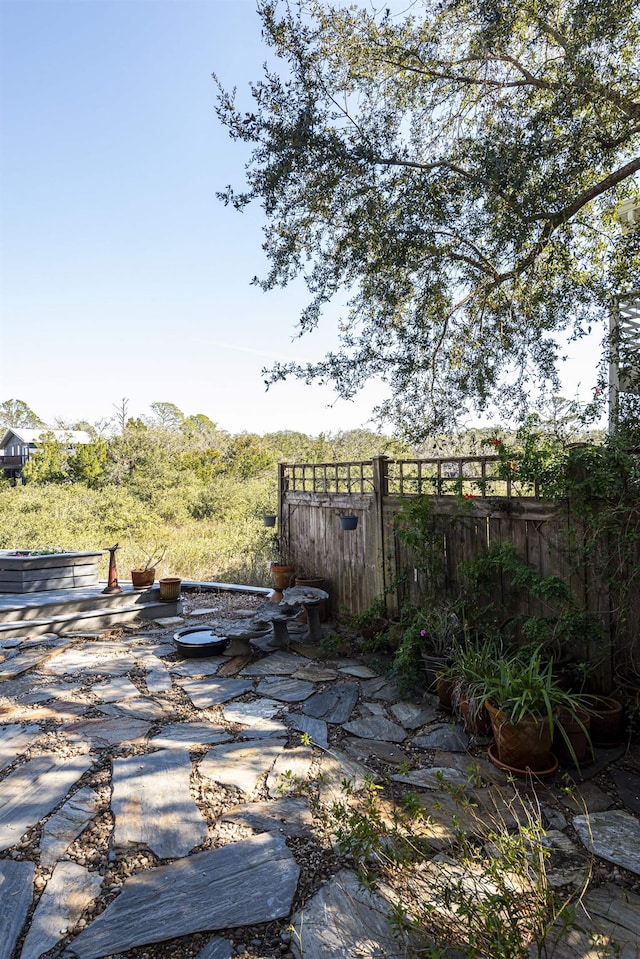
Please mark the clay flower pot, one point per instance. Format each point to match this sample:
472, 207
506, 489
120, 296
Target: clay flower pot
143, 578
524, 745
283, 576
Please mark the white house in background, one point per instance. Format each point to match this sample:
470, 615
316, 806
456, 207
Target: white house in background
18, 445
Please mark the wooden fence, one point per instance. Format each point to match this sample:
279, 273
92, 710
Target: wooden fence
475, 509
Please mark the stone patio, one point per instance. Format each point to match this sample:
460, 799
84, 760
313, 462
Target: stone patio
147, 809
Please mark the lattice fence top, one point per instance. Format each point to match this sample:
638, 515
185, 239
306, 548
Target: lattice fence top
356, 477
470, 476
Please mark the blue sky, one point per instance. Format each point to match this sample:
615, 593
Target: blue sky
122, 274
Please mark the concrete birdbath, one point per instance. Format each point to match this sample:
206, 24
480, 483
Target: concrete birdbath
278, 615
307, 598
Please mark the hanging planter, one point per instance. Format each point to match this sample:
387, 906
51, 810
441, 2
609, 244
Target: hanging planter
348, 522
269, 519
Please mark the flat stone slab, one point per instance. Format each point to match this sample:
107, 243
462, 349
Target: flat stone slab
69, 891
15, 739
117, 688
628, 786
315, 673
240, 764
359, 671
566, 865
104, 733
98, 658
157, 677
315, 729
433, 777
216, 948
60, 690
16, 888
366, 748
292, 767
343, 919
376, 727
214, 884
256, 718
333, 704
285, 689
447, 736
413, 717
169, 621
372, 709
246, 713
196, 667
290, 816
275, 664
30, 792
379, 688
152, 804
66, 824
336, 768
612, 835
177, 735
141, 708
585, 795
208, 692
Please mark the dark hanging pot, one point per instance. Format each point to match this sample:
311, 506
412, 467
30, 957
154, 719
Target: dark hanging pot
269, 519
348, 522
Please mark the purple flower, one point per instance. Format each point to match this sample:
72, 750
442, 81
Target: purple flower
423, 632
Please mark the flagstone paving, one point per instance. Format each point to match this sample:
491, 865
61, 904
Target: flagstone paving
158, 803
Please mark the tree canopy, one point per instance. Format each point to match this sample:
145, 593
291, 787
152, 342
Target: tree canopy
455, 172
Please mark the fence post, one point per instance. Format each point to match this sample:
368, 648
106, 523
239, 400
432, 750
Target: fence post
383, 564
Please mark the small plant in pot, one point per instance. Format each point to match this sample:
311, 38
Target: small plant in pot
439, 635
144, 574
471, 659
523, 698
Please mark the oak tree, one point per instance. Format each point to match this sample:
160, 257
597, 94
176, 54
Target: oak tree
453, 174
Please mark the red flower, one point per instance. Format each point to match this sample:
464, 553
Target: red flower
496, 442
514, 466
597, 389
468, 496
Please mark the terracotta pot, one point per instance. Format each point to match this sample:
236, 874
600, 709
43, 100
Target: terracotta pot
283, 576
477, 722
527, 771
577, 734
606, 721
143, 578
444, 689
524, 745
170, 588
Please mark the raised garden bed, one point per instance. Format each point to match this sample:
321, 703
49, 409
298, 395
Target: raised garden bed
30, 571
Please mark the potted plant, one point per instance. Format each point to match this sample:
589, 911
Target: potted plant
523, 698
439, 635
471, 660
144, 574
